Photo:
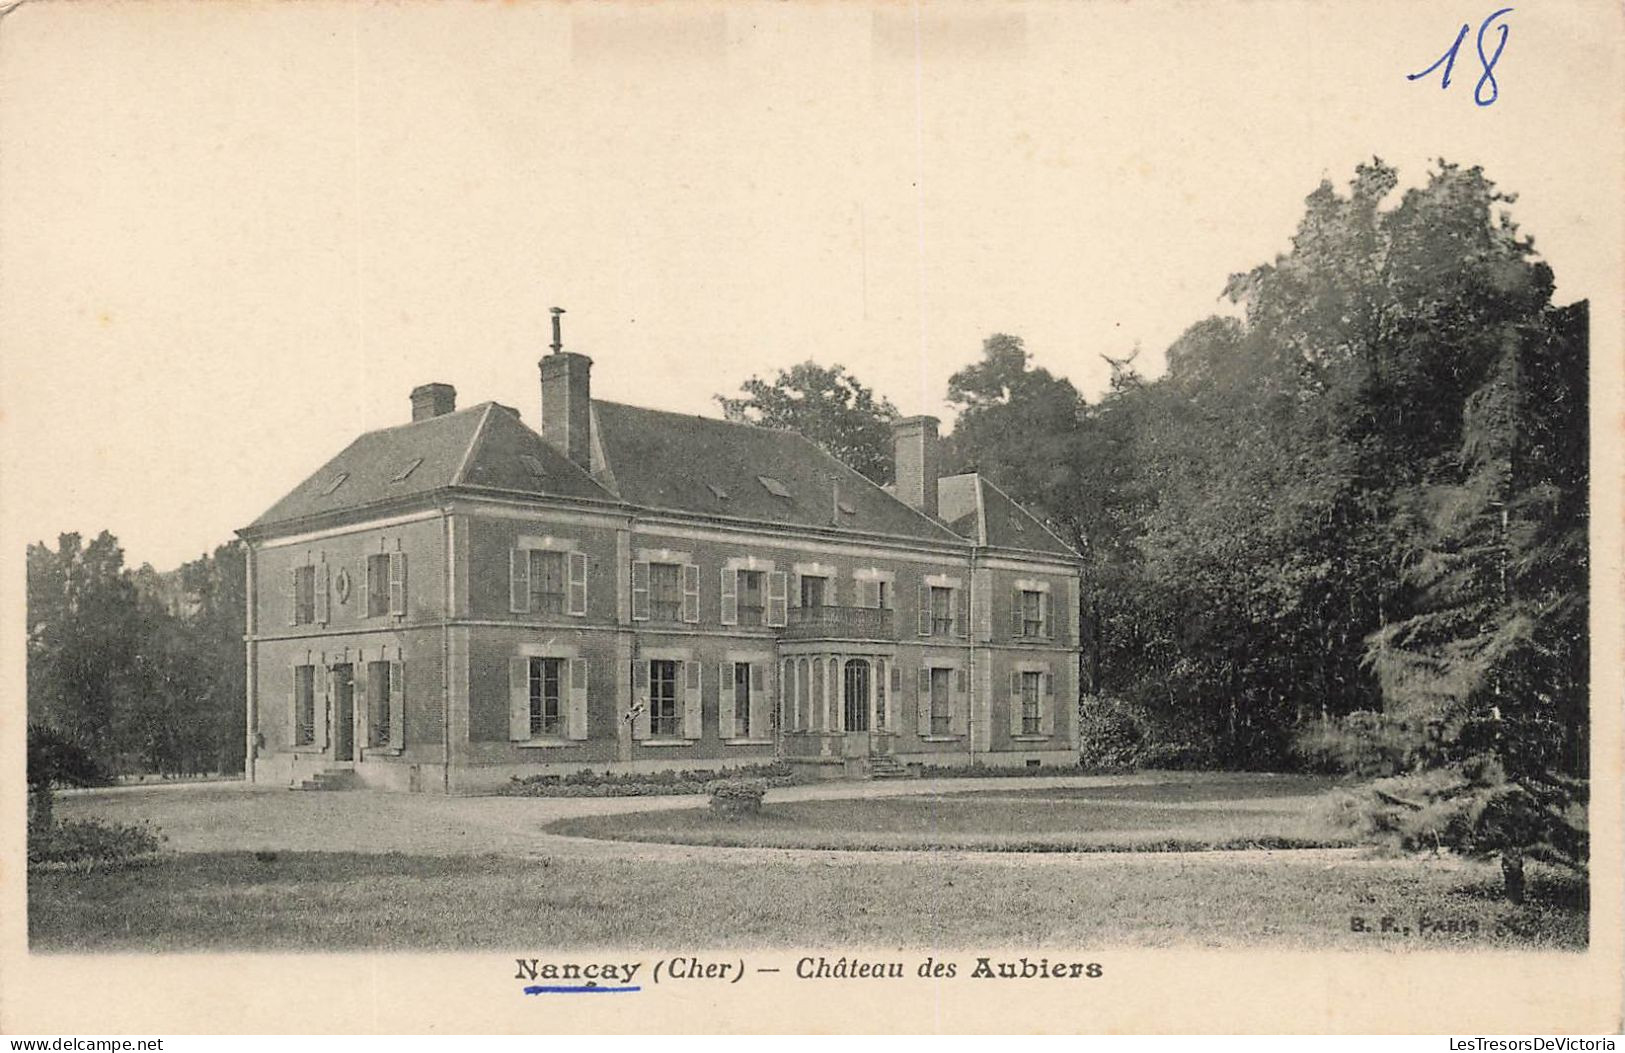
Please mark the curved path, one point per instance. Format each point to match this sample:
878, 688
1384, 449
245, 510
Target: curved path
238, 817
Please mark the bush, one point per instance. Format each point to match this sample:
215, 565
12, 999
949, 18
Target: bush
589, 783
1369, 745
1114, 733
737, 796
86, 844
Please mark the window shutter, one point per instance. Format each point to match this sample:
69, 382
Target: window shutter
961, 704
293, 705
640, 696
324, 594
962, 612
397, 705
1015, 701
1046, 706
640, 594
688, 677
726, 699
882, 696
925, 609
922, 712
519, 580
321, 685
519, 700
578, 583
1046, 613
795, 590
761, 702
577, 724
1016, 613
397, 583
691, 592
292, 596
777, 604
730, 596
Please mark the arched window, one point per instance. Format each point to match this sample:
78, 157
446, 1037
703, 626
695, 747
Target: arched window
856, 694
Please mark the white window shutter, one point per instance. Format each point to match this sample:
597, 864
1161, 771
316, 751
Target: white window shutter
761, 702
519, 699
962, 611
1046, 613
640, 695
321, 685
925, 609
397, 705
519, 580
397, 583
1016, 613
640, 593
726, 700
578, 583
1015, 702
688, 681
795, 590
1046, 706
324, 594
578, 699
359, 696
922, 714
730, 596
691, 592
777, 602
292, 596
961, 704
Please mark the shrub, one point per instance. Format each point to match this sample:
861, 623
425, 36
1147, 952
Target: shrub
1115, 733
1369, 745
737, 796
86, 844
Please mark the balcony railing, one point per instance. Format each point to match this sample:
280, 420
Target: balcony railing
851, 623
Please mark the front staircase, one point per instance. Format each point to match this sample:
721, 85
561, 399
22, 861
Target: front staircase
331, 779
885, 766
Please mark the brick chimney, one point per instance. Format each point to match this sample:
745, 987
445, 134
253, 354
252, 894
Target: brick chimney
433, 400
918, 463
567, 405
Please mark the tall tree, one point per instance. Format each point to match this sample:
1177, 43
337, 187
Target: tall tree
827, 405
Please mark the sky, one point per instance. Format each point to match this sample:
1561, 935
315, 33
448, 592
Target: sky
234, 236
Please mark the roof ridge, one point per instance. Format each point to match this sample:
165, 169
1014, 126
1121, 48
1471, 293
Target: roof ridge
763, 428
460, 476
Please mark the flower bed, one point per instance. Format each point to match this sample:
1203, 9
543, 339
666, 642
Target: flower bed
588, 783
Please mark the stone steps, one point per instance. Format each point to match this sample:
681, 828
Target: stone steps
331, 779
884, 766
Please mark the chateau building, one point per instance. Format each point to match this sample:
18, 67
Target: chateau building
457, 600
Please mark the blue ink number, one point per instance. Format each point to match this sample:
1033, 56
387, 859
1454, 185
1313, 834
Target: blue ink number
1448, 59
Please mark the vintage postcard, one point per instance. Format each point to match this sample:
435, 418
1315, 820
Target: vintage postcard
811, 518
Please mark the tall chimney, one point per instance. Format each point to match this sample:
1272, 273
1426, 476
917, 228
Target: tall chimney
917, 462
567, 405
433, 400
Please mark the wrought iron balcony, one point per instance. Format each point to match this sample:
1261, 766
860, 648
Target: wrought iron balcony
842, 623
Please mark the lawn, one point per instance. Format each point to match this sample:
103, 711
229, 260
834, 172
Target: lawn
343, 901
1174, 816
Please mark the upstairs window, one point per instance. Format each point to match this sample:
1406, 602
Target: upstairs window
547, 581
874, 593
308, 595
943, 607
752, 597
1031, 606
378, 585
665, 592
812, 590
942, 611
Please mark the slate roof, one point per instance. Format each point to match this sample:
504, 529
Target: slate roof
655, 460
981, 512
699, 464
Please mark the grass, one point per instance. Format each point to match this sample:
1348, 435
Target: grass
347, 901
1157, 817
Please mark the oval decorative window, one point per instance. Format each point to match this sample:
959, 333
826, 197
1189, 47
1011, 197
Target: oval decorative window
341, 585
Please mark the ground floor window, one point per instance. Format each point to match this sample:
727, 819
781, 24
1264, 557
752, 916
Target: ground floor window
856, 695
378, 703
1031, 715
663, 715
304, 705
941, 702
742, 726
546, 696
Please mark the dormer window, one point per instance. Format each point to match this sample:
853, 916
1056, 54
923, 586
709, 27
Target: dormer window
773, 486
846, 509
717, 492
406, 473
334, 483
533, 465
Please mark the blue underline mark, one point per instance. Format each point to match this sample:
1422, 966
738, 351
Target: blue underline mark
594, 989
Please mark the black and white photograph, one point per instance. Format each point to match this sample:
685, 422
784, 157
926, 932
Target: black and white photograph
1021, 517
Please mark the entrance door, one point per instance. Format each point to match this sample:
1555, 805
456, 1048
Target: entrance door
855, 705
343, 713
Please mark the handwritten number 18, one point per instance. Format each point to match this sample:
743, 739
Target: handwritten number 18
1448, 59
